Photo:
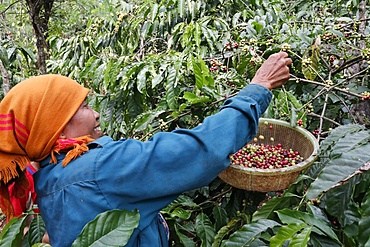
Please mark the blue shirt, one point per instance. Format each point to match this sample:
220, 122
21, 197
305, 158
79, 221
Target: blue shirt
131, 174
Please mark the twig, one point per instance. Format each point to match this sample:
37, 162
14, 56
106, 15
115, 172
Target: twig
295, 78
325, 118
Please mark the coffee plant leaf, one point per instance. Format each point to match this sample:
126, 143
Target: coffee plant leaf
339, 202
180, 208
288, 216
337, 134
322, 241
293, 117
110, 228
226, 229
302, 238
364, 185
204, 229
249, 232
364, 232
311, 62
4, 56
267, 210
286, 233
180, 213
350, 218
143, 120
201, 73
348, 155
316, 211
170, 87
28, 54
220, 216
141, 78
36, 230
12, 233
365, 205
185, 240
242, 65
195, 99
183, 200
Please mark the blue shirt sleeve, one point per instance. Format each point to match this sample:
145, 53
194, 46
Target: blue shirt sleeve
170, 163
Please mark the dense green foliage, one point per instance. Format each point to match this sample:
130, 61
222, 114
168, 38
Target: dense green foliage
160, 65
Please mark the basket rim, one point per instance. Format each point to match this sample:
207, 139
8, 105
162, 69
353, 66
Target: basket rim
289, 169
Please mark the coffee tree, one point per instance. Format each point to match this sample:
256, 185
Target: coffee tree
157, 66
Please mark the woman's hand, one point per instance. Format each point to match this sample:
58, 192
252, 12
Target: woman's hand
274, 72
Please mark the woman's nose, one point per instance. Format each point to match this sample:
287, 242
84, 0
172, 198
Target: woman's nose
97, 115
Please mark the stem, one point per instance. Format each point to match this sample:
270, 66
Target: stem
325, 85
325, 118
322, 115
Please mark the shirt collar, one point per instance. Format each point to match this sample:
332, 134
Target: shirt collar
94, 144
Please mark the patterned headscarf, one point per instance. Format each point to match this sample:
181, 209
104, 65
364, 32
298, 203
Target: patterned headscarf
32, 116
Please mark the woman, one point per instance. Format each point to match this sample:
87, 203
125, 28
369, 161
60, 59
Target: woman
84, 173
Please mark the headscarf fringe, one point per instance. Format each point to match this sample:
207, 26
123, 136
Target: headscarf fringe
9, 172
73, 146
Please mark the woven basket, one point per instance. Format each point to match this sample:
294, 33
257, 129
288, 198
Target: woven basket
265, 180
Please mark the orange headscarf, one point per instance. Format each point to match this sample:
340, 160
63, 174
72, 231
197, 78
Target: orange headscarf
32, 116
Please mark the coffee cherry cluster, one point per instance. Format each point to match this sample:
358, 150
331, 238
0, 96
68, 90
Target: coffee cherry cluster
285, 47
231, 45
300, 122
265, 156
215, 65
365, 95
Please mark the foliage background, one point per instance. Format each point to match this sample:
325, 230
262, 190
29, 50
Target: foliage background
160, 65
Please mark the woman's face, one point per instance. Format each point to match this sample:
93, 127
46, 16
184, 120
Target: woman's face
84, 122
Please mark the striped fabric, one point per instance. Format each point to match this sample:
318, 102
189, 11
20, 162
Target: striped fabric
32, 116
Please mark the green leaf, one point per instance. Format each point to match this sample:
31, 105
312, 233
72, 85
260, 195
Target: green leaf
182, 200
338, 199
181, 213
220, 216
141, 79
170, 88
286, 233
143, 120
110, 228
181, 8
323, 241
185, 240
288, 216
365, 205
205, 230
12, 233
364, 232
347, 155
337, 134
268, 208
36, 230
248, 233
158, 78
154, 12
228, 228
317, 212
201, 73
311, 62
339, 168
27, 53
302, 238
194, 99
